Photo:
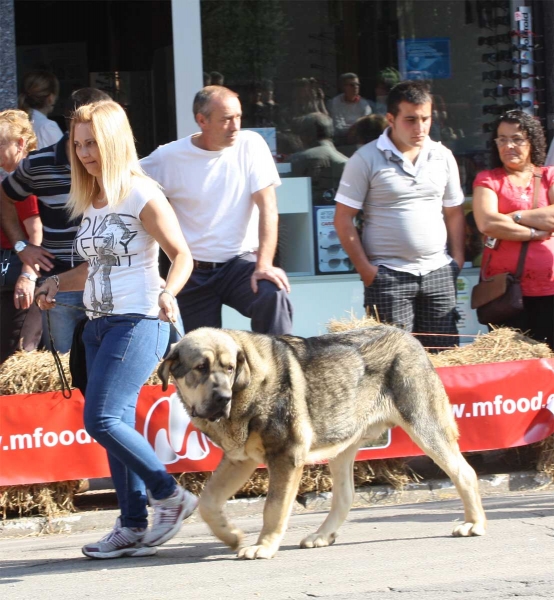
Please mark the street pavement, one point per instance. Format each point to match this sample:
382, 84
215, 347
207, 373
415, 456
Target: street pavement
403, 551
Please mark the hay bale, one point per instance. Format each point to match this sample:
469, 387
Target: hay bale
31, 373
48, 500
315, 478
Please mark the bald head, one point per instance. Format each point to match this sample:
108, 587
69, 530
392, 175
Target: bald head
204, 99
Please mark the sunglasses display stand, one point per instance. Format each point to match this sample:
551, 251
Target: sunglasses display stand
330, 256
514, 87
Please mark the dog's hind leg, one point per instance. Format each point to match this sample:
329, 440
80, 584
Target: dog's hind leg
342, 472
440, 444
227, 479
284, 478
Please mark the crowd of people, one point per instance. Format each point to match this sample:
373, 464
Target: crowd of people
88, 218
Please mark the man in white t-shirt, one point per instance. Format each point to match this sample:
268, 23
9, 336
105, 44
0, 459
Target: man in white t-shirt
413, 238
347, 107
221, 183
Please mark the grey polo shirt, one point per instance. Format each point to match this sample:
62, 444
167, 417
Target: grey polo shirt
402, 203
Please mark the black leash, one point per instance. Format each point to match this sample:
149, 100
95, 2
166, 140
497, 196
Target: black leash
66, 390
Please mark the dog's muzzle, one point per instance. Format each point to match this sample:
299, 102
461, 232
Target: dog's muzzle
216, 408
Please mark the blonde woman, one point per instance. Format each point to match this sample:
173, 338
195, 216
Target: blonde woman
125, 218
39, 93
20, 319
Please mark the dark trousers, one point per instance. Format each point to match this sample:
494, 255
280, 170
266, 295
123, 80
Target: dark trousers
424, 304
207, 290
537, 319
19, 329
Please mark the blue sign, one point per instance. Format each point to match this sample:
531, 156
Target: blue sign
424, 58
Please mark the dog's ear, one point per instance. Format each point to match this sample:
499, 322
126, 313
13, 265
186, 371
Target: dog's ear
163, 369
242, 375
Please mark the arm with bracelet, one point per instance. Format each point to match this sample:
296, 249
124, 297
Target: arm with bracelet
70, 281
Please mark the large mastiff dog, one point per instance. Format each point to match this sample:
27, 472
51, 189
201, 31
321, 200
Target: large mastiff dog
286, 401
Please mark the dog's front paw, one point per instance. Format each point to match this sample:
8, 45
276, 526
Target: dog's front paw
469, 529
318, 540
253, 552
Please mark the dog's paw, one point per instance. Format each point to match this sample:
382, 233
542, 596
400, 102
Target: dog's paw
318, 540
469, 529
253, 552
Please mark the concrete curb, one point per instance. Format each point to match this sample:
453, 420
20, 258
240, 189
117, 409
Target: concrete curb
426, 491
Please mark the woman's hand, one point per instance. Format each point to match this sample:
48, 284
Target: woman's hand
45, 295
168, 306
23, 293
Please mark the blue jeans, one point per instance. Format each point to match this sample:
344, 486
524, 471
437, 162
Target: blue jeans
62, 321
122, 351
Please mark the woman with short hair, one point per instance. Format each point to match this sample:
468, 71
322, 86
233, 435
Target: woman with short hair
39, 93
20, 320
125, 218
503, 209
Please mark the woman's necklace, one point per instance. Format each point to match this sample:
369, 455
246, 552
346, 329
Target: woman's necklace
524, 190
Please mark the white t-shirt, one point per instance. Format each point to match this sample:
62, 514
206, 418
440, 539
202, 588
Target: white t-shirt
47, 131
123, 276
211, 192
345, 114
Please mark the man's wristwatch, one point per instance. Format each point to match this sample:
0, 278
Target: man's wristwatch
516, 217
19, 246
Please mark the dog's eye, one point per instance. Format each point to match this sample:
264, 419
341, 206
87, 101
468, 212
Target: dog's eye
202, 367
230, 369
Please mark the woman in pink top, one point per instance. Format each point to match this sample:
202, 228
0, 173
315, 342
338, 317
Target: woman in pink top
503, 208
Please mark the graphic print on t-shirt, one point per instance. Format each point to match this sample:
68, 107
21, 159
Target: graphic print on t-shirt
104, 241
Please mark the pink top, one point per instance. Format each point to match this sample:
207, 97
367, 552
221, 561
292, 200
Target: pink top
538, 272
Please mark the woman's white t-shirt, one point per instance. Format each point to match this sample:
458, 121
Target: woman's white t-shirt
123, 276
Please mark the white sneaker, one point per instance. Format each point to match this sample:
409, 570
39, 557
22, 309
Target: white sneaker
121, 541
169, 514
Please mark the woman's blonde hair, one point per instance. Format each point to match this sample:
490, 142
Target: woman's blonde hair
15, 125
118, 157
35, 89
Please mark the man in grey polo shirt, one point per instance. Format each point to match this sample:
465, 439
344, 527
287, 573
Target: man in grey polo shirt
412, 247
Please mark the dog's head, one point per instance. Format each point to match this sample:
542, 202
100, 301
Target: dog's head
208, 366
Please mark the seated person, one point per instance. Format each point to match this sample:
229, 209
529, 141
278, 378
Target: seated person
320, 160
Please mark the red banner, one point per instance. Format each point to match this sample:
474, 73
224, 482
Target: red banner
42, 438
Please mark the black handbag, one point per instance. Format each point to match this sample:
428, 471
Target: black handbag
504, 295
78, 358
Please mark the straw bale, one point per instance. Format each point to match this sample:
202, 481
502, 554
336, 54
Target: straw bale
315, 478
31, 373
500, 345
45, 499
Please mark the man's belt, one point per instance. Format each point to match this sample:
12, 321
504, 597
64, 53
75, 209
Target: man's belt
207, 266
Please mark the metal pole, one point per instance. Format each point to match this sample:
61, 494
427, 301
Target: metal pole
8, 76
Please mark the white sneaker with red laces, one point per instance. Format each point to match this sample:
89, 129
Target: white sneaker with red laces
169, 514
121, 541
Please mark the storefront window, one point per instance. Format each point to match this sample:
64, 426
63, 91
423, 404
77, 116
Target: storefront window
286, 58
123, 47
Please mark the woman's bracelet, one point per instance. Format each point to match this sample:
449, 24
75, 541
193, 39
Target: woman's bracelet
168, 293
533, 232
28, 276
